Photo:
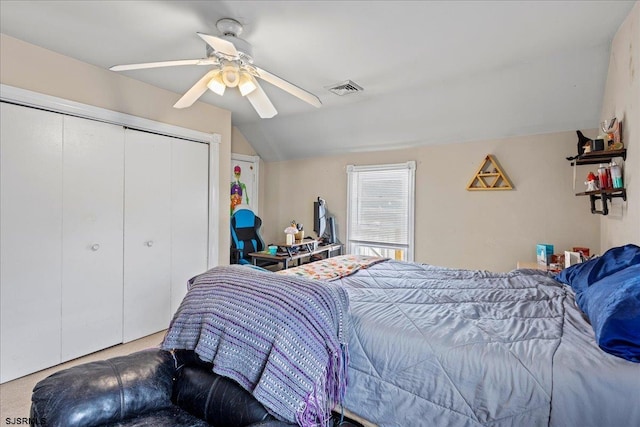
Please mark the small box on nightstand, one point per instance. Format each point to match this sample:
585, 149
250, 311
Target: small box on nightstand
571, 258
543, 253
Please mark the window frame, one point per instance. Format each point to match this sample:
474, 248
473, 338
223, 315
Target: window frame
410, 166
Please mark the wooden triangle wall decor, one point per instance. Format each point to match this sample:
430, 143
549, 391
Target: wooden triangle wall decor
489, 176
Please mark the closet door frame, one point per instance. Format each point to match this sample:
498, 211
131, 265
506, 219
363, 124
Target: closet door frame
33, 99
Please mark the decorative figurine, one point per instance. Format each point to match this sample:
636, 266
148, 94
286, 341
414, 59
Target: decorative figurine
582, 141
591, 183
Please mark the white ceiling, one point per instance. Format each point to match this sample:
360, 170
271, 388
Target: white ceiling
433, 72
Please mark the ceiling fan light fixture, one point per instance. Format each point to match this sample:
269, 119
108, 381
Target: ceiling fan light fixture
231, 62
230, 74
216, 85
246, 85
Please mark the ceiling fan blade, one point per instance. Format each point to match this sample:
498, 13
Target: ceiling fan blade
222, 46
196, 91
205, 61
289, 87
260, 101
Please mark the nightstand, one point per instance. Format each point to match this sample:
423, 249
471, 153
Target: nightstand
531, 265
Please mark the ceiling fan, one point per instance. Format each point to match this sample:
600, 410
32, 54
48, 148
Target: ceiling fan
232, 62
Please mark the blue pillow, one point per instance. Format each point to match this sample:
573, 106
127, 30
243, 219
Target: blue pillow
612, 305
581, 276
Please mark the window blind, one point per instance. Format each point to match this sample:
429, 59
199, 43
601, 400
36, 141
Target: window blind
380, 205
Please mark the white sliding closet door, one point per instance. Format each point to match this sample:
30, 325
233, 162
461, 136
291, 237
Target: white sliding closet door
147, 231
101, 228
92, 236
30, 239
189, 222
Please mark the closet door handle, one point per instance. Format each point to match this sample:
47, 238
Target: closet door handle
149, 243
95, 247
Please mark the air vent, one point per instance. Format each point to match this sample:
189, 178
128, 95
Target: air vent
345, 88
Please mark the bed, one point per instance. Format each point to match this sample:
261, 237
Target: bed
447, 347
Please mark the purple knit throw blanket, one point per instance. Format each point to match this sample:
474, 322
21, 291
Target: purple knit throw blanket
283, 339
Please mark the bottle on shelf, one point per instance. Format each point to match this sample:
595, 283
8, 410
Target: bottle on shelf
616, 175
602, 177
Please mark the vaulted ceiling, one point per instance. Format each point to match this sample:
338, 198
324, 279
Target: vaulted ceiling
433, 72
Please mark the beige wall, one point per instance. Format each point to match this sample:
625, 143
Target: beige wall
240, 145
30, 67
622, 100
454, 227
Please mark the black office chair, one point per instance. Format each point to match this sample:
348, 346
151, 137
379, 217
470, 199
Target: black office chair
245, 235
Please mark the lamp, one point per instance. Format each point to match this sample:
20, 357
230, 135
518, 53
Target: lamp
216, 85
230, 74
246, 85
290, 232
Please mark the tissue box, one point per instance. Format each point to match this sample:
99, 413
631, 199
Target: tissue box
544, 253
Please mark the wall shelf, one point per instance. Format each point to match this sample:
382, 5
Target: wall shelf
604, 196
489, 176
603, 156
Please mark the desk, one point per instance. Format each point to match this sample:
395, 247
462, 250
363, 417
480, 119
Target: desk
553, 268
305, 249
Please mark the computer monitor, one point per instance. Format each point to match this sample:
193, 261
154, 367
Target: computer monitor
319, 217
323, 225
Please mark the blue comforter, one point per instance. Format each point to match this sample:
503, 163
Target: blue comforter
443, 347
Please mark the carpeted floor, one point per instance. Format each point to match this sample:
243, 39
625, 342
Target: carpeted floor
15, 396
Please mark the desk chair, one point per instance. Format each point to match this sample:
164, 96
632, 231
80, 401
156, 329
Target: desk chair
245, 234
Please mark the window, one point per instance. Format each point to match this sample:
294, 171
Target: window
380, 210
